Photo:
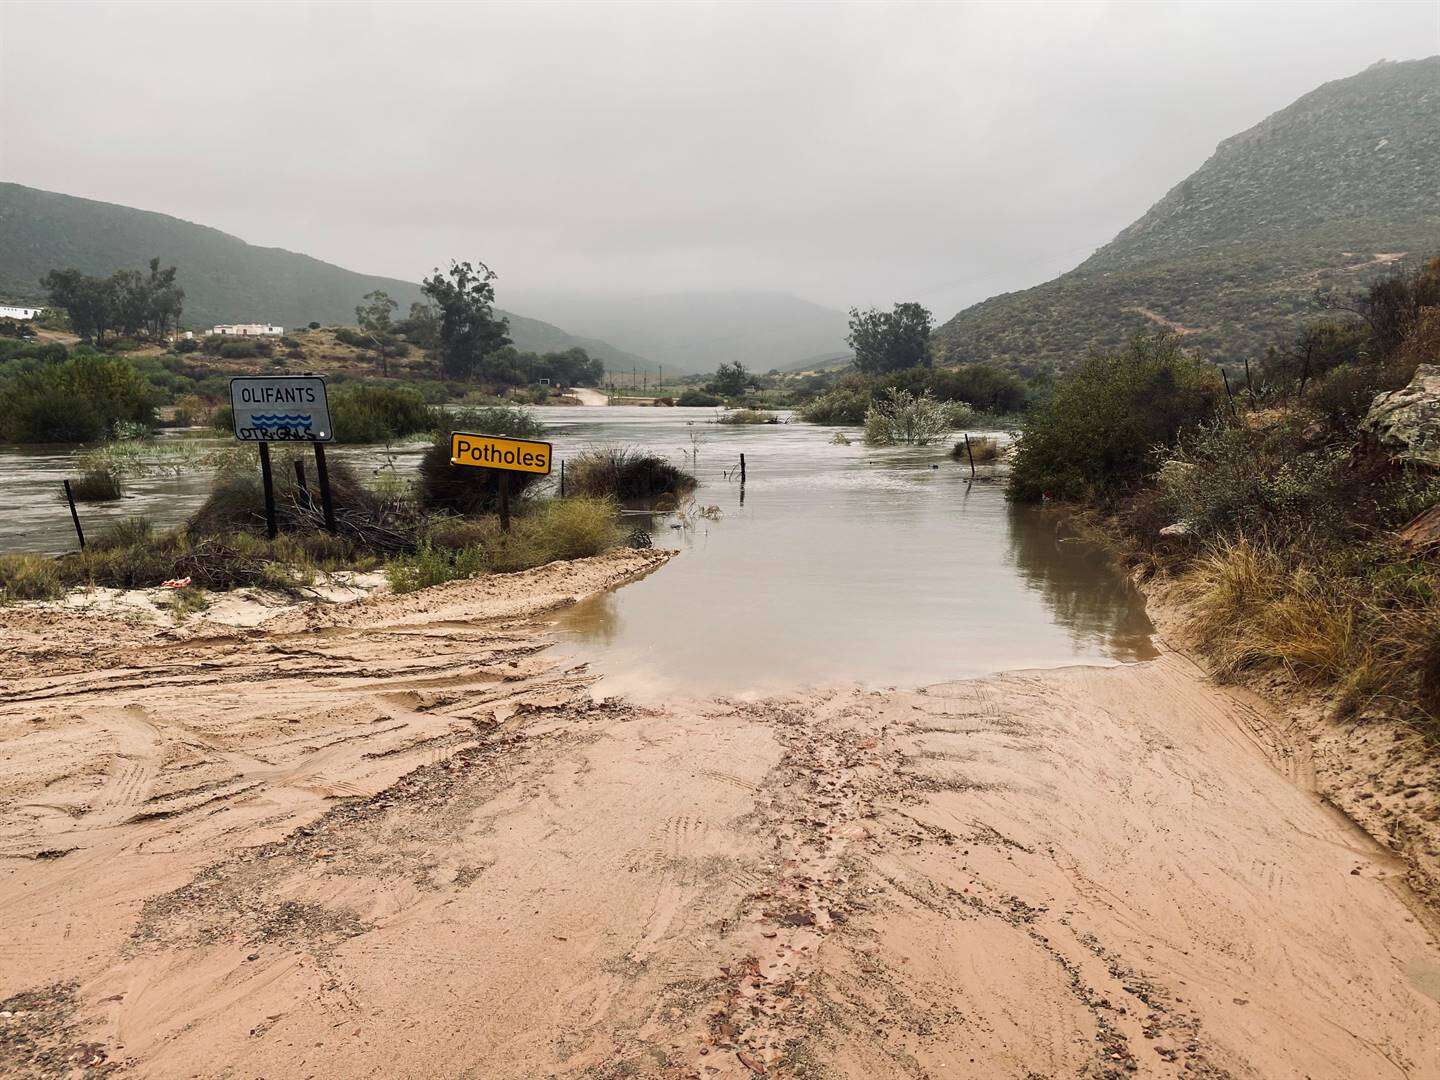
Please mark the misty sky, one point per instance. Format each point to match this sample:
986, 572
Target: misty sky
849, 153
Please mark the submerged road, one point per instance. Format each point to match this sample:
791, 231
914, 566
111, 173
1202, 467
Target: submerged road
392, 839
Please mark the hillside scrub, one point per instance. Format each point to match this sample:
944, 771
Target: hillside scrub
1282, 519
1233, 255
1096, 437
626, 474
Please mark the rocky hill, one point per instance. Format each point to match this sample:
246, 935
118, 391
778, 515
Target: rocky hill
1328, 193
225, 279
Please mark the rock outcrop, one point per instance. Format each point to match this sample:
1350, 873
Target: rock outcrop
1405, 423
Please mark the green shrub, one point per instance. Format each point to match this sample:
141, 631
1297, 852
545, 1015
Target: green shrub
842, 405
900, 417
239, 350
1342, 397
96, 486
1226, 478
375, 414
624, 473
30, 577
1098, 433
464, 489
699, 399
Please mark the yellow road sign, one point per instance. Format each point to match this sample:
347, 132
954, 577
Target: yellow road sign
497, 452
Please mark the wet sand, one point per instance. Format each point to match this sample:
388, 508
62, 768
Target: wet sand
394, 838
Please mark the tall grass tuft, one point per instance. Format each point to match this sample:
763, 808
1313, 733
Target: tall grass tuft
550, 530
1359, 623
30, 577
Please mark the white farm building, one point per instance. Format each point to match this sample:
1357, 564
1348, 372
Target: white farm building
8, 311
248, 330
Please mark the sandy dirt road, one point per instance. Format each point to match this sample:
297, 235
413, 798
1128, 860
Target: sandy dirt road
588, 396
394, 839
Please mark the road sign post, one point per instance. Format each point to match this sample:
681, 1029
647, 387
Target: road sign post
504, 455
284, 408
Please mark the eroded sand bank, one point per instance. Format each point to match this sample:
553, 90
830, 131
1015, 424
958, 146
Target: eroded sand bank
393, 839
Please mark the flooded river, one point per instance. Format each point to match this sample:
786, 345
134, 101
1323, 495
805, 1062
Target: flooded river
833, 563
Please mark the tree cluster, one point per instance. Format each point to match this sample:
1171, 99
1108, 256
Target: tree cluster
468, 329
129, 303
890, 340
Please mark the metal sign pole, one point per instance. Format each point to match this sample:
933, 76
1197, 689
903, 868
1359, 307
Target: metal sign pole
325, 500
268, 481
504, 502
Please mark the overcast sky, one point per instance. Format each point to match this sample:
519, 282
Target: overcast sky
849, 153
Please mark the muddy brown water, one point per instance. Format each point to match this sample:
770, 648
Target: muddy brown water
835, 563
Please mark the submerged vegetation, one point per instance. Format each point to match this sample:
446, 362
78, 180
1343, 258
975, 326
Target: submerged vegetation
97, 485
900, 417
748, 416
626, 474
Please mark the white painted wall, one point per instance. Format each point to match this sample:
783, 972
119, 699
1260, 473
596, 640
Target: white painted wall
248, 330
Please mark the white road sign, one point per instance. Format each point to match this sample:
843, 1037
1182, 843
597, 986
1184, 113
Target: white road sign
280, 408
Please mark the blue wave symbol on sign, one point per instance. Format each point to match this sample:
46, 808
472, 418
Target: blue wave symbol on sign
281, 420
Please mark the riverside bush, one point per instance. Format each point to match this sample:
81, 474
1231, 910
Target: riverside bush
463, 489
747, 416
699, 398
75, 398
624, 473
378, 414
96, 486
898, 416
1097, 435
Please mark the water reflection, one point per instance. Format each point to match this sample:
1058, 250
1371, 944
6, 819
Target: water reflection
1079, 585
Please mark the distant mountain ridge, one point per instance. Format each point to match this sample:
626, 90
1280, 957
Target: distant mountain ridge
225, 279
697, 331
1329, 192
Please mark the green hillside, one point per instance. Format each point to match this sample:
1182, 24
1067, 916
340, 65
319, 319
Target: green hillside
1330, 192
225, 279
